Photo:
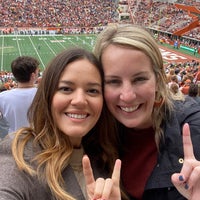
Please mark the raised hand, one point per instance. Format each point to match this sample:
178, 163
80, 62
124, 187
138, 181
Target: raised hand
187, 181
102, 189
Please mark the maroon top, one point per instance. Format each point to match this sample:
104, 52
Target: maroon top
138, 160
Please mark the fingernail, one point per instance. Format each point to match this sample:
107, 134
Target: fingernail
186, 186
181, 178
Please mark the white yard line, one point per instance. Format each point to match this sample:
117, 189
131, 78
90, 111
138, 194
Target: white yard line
2, 54
43, 65
50, 48
20, 53
84, 42
59, 42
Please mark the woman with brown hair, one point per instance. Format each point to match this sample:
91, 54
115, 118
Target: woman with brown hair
67, 120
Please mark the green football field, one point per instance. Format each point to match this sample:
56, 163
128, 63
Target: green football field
45, 47
42, 47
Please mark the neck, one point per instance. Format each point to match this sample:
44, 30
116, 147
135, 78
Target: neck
25, 85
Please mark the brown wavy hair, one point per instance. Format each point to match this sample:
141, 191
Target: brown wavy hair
52, 159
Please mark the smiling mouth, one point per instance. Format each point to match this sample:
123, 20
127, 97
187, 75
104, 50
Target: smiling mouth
76, 116
129, 109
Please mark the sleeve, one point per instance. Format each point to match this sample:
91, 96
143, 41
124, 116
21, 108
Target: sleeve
14, 184
190, 113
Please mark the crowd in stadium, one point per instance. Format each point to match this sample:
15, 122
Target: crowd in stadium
81, 16
37, 13
27, 13
90, 16
163, 16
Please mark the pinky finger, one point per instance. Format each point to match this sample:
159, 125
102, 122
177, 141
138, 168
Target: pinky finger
107, 188
180, 184
194, 178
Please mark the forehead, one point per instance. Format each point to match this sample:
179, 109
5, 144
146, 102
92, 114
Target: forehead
119, 58
81, 69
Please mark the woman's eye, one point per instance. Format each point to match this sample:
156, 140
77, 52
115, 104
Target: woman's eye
94, 91
113, 81
65, 89
138, 79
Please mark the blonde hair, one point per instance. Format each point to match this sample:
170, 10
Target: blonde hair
136, 37
176, 93
50, 162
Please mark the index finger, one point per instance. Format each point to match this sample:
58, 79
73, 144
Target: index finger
87, 170
187, 143
116, 172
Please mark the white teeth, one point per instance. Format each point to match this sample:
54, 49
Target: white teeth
76, 116
129, 109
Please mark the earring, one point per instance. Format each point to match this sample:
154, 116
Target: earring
159, 102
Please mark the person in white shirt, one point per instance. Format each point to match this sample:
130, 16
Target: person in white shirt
15, 103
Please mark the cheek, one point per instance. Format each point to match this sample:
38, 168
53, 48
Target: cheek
110, 95
97, 106
150, 92
57, 103
146, 91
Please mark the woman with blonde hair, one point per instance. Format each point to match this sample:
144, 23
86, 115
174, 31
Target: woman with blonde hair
176, 93
150, 123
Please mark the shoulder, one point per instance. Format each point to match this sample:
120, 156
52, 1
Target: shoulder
187, 111
4, 94
15, 183
189, 105
6, 148
33, 90
5, 145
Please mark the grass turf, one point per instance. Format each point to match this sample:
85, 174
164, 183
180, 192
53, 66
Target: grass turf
42, 47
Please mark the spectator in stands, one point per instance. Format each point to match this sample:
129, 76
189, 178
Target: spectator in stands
67, 120
197, 76
174, 79
176, 93
176, 45
193, 93
15, 102
185, 88
3, 123
170, 74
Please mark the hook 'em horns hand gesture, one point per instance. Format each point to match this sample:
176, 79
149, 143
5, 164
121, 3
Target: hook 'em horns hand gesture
187, 181
102, 189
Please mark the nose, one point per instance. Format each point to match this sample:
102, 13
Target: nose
79, 98
127, 93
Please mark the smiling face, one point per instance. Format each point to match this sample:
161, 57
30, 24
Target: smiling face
78, 101
130, 86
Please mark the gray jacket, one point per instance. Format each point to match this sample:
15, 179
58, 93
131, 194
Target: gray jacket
17, 185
